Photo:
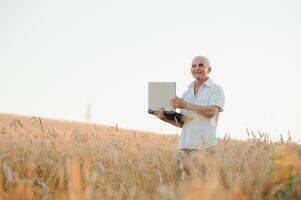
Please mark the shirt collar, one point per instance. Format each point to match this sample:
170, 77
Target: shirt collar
207, 83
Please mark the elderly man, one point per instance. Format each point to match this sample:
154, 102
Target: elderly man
202, 101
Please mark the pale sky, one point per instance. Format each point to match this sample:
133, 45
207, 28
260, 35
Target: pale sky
56, 56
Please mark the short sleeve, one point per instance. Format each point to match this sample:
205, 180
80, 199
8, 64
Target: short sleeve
217, 98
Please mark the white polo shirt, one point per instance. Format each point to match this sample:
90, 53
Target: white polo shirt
200, 132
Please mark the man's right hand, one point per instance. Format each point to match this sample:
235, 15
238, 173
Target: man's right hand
160, 113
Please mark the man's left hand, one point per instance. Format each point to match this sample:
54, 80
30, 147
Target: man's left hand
178, 103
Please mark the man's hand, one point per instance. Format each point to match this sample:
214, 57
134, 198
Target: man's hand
160, 113
178, 103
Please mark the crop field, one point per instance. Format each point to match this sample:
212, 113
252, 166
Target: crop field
51, 159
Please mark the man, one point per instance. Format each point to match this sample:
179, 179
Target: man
202, 101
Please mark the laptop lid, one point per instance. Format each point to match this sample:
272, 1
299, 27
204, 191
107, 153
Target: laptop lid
160, 94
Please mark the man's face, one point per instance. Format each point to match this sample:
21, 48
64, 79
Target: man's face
199, 69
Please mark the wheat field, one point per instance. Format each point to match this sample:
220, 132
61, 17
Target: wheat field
52, 159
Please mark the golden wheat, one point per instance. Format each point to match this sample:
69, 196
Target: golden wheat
48, 159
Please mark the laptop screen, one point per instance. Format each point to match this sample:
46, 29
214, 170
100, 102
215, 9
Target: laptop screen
160, 94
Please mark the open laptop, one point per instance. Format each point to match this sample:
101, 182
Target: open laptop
159, 95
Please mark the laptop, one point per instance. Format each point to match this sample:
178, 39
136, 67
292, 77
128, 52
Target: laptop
159, 95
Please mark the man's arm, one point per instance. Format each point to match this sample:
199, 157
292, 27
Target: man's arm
160, 115
207, 111
177, 123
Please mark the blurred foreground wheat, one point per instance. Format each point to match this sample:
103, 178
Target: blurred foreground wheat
46, 159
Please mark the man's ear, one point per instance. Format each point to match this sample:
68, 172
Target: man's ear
209, 69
